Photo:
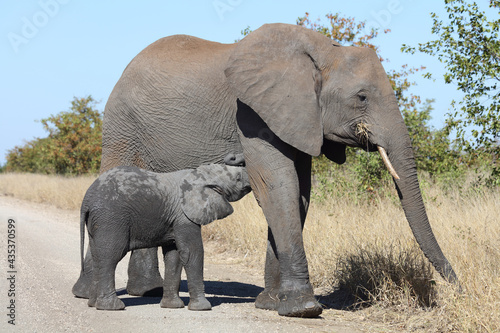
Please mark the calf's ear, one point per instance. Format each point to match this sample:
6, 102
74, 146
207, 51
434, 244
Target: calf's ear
202, 203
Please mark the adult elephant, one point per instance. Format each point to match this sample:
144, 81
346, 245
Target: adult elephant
281, 95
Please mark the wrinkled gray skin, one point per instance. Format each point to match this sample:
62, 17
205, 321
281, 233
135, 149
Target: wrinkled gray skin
128, 208
281, 95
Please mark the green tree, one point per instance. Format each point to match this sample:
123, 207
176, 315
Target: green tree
73, 145
468, 45
431, 147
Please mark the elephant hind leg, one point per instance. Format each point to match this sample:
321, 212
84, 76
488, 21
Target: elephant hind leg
106, 298
109, 302
144, 277
106, 254
268, 298
81, 288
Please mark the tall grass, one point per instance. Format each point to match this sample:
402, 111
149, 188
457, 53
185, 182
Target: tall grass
363, 245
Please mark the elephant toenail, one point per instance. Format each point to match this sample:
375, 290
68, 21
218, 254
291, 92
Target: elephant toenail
310, 305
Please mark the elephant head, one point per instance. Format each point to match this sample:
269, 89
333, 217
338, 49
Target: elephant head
207, 191
318, 97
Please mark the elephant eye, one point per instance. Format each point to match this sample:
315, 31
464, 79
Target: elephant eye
362, 98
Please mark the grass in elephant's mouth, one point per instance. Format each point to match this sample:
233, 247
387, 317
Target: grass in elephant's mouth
362, 132
365, 247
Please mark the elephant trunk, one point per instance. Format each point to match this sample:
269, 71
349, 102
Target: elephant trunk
400, 153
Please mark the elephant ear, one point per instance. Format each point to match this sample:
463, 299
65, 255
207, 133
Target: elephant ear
274, 71
202, 202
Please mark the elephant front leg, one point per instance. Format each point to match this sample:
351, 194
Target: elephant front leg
280, 202
190, 248
144, 277
268, 299
275, 170
172, 278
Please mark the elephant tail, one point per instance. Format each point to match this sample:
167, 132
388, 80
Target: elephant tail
84, 214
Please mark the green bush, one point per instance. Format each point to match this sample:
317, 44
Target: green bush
73, 145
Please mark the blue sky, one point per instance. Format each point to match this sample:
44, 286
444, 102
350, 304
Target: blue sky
53, 50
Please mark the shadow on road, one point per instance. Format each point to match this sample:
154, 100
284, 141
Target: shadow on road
218, 292
338, 300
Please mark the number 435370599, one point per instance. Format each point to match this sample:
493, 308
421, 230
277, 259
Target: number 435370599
11, 244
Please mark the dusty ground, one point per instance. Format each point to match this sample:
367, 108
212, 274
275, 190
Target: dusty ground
47, 263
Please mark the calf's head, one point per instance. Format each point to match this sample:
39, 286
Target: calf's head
207, 191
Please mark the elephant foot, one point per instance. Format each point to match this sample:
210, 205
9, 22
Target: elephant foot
267, 300
172, 302
109, 303
199, 304
299, 302
150, 287
81, 288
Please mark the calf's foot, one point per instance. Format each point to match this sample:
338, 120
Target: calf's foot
199, 304
109, 303
172, 302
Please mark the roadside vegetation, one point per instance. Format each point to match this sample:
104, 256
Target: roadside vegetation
362, 255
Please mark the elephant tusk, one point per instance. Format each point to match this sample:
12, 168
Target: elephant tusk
387, 163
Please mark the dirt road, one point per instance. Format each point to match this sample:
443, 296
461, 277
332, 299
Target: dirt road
36, 290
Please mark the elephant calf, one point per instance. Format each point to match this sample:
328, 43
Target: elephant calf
128, 208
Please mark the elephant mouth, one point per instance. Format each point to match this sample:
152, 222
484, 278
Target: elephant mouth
218, 190
362, 133
232, 196
246, 190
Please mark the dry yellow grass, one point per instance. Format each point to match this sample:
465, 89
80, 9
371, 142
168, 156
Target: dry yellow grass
467, 227
60, 191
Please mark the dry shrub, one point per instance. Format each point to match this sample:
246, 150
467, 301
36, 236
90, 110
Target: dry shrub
392, 275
